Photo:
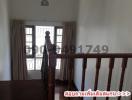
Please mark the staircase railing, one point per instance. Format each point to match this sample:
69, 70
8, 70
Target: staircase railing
52, 56
99, 57
48, 68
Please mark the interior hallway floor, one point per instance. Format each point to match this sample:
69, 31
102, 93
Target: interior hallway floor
29, 90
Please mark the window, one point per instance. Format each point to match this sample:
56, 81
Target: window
58, 42
40, 41
35, 40
30, 41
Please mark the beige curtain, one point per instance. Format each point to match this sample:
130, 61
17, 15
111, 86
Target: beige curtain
18, 51
68, 44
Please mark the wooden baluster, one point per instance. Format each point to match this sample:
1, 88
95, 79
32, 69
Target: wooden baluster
124, 65
51, 77
51, 66
70, 74
83, 74
111, 66
70, 68
98, 64
44, 72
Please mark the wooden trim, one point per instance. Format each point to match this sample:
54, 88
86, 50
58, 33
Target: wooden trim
71, 57
98, 65
51, 51
70, 73
110, 55
83, 74
124, 65
111, 66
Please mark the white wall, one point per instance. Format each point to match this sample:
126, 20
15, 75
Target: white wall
105, 22
58, 10
4, 42
31, 11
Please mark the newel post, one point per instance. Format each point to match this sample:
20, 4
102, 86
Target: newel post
51, 66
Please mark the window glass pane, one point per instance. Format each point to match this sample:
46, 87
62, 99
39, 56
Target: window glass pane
59, 38
28, 51
28, 38
28, 45
58, 64
28, 30
38, 63
59, 31
58, 50
59, 45
40, 38
30, 64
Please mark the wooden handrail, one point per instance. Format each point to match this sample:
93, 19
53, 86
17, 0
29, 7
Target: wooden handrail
111, 56
96, 55
52, 56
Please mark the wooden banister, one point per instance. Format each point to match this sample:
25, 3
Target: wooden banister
111, 66
51, 63
98, 64
70, 70
44, 72
111, 56
83, 74
95, 55
48, 41
124, 65
51, 51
